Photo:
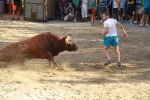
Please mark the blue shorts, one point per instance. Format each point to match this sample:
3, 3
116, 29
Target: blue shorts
111, 41
62, 9
102, 9
146, 11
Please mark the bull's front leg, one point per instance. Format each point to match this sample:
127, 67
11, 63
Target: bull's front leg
53, 61
50, 58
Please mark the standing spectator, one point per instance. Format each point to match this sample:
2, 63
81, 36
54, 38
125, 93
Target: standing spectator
116, 5
76, 9
92, 4
119, 9
22, 6
0, 8
109, 7
62, 7
139, 10
69, 13
110, 37
122, 10
102, 8
16, 8
57, 10
142, 8
146, 13
84, 9
7, 6
131, 11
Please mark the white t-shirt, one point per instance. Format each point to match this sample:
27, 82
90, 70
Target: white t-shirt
115, 4
111, 24
122, 4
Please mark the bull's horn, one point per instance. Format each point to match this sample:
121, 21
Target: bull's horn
67, 41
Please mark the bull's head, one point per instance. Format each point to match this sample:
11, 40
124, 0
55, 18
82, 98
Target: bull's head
70, 45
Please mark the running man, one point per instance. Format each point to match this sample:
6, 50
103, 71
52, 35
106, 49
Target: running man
110, 37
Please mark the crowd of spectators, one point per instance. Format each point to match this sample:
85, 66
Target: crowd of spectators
131, 11
17, 7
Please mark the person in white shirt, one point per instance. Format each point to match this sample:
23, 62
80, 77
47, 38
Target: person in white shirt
119, 9
110, 36
84, 9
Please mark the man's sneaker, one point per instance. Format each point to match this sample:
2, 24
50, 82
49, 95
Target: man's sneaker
101, 21
92, 24
147, 25
122, 21
135, 22
62, 18
107, 62
119, 64
131, 23
142, 24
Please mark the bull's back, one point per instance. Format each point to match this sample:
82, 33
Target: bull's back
31, 48
12, 52
42, 43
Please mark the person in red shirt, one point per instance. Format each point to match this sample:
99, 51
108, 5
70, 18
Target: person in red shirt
62, 7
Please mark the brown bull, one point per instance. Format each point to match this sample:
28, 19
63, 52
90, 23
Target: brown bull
43, 46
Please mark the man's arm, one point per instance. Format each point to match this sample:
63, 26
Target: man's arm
109, 3
131, 2
123, 30
66, 10
74, 3
105, 32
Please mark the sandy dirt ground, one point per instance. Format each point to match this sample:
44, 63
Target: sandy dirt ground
82, 75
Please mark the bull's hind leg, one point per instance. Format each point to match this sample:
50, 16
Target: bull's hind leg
3, 64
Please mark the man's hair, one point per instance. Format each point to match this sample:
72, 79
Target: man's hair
106, 13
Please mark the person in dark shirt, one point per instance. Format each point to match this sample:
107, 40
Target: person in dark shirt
62, 7
16, 8
131, 10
